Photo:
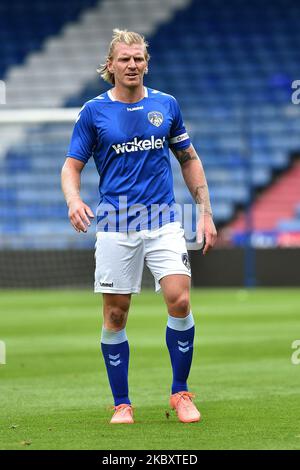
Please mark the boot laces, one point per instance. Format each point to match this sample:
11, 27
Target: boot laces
186, 398
122, 408
186, 395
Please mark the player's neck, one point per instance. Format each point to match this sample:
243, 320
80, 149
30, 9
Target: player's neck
128, 95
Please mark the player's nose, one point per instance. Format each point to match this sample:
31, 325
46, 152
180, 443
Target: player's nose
132, 64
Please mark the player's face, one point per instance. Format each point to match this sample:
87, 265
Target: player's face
128, 64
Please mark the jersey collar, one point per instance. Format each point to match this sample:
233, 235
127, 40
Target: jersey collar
110, 95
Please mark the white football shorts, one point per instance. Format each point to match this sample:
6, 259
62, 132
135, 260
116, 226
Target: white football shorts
120, 258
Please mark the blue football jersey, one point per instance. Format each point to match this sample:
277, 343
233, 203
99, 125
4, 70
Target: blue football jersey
130, 146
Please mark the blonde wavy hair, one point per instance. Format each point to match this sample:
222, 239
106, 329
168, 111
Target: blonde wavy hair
124, 36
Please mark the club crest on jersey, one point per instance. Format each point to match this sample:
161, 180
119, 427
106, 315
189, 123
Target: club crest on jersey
156, 118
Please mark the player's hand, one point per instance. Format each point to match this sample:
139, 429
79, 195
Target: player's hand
80, 215
206, 232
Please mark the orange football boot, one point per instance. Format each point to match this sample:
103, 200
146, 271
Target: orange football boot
123, 414
186, 411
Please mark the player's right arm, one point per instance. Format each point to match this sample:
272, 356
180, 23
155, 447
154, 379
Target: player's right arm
79, 212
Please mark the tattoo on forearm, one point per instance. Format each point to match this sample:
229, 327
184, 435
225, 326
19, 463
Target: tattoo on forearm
184, 156
198, 194
201, 197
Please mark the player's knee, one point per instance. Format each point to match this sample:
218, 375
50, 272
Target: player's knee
117, 318
180, 305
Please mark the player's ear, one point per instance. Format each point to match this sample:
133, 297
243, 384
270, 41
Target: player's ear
109, 66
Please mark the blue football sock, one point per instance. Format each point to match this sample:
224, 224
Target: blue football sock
115, 350
180, 339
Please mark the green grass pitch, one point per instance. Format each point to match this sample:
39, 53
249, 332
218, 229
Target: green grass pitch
55, 394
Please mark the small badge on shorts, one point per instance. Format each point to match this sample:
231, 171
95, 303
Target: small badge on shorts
186, 261
156, 118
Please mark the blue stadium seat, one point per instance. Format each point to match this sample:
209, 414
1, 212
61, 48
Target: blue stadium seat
297, 213
25, 25
289, 225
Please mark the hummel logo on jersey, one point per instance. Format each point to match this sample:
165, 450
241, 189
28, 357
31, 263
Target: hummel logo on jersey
135, 145
135, 108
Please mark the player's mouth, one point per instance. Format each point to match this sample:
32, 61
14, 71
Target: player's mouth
132, 75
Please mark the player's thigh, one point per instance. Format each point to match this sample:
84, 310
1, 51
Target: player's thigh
166, 253
119, 263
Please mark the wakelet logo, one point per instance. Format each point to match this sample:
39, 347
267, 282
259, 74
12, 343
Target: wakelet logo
135, 145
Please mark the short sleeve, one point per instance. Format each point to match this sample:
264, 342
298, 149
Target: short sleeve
179, 137
84, 135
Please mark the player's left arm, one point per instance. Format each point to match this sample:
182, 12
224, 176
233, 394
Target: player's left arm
194, 177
